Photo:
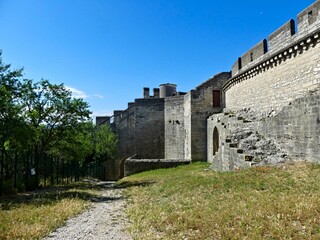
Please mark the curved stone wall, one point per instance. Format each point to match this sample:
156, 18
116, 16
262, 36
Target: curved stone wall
275, 72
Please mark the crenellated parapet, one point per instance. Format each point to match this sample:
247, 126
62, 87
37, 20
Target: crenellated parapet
281, 45
272, 60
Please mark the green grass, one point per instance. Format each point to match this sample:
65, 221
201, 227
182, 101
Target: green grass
190, 202
35, 214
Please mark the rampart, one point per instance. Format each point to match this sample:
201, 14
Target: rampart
272, 110
275, 72
265, 111
149, 128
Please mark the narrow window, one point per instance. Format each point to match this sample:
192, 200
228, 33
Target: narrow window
310, 17
216, 98
251, 57
239, 63
215, 145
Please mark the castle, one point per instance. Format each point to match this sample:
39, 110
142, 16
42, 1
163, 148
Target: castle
265, 111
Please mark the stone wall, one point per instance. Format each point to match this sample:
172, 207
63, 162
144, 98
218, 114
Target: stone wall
174, 127
245, 139
140, 165
288, 70
149, 128
125, 121
200, 108
187, 125
297, 128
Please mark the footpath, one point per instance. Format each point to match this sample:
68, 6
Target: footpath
104, 220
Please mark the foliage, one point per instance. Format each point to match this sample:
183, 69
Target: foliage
190, 202
45, 133
106, 143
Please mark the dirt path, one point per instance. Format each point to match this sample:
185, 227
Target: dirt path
104, 220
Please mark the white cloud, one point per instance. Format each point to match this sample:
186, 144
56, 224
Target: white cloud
76, 93
102, 113
98, 95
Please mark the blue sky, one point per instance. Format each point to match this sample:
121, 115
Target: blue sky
106, 51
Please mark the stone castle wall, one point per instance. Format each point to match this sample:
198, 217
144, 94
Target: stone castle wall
149, 128
296, 128
124, 125
201, 107
174, 127
272, 100
269, 78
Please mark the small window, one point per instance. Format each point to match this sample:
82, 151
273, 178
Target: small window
310, 17
239, 63
251, 57
216, 98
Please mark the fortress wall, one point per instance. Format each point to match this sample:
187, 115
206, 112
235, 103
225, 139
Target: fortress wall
309, 19
174, 128
125, 132
276, 86
286, 72
297, 128
187, 125
149, 128
282, 37
250, 57
202, 106
285, 36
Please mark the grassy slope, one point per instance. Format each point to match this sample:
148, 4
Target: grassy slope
189, 202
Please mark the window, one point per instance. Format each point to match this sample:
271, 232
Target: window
216, 96
310, 17
239, 63
215, 145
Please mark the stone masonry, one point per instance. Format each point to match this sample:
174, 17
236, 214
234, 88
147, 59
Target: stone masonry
266, 110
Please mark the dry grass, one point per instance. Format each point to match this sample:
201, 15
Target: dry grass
260, 203
34, 215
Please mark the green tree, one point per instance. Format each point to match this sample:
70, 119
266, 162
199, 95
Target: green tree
11, 121
50, 110
106, 143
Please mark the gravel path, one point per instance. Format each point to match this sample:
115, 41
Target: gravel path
104, 220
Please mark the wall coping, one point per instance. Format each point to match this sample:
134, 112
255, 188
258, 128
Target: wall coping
270, 60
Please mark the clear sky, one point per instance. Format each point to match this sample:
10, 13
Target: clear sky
106, 51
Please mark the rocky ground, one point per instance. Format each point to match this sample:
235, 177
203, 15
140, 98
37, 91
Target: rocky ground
104, 220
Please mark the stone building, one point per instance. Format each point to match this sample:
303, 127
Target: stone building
264, 111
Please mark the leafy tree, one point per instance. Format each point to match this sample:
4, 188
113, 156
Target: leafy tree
43, 128
50, 110
106, 144
11, 121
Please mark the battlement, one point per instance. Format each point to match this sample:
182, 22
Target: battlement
284, 37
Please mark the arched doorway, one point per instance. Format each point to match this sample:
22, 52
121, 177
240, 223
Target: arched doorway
215, 145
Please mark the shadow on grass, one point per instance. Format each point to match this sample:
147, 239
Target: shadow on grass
85, 190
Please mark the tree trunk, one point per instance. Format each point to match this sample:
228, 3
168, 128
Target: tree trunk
15, 168
51, 171
1, 173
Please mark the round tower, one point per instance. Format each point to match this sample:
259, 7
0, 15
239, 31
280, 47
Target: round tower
168, 90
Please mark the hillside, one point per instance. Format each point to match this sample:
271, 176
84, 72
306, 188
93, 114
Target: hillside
191, 202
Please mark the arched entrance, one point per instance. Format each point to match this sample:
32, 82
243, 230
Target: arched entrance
215, 145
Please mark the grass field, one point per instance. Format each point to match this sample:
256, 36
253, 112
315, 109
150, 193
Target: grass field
33, 215
190, 202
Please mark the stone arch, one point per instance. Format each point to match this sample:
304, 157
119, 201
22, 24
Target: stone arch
215, 142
